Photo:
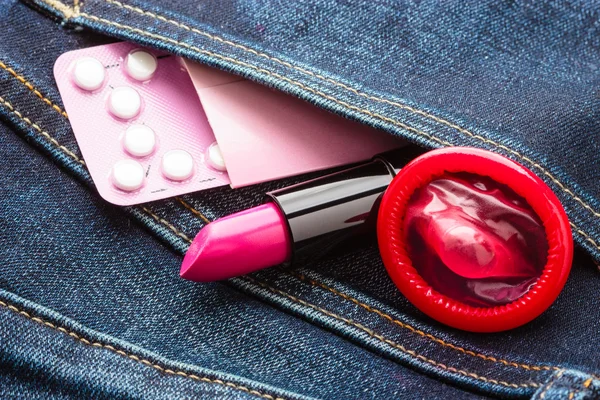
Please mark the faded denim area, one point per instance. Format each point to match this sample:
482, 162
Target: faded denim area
91, 303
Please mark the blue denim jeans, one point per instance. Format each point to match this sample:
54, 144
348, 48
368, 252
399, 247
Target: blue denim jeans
91, 304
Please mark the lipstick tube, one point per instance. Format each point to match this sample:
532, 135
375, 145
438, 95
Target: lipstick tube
324, 212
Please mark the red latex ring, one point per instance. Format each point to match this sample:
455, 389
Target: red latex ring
524, 183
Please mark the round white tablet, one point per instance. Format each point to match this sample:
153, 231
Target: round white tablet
214, 158
128, 175
140, 65
88, 73
139, 140
124, 102
177, 165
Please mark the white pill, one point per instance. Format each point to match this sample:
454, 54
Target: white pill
124, 102
88, 73
128, 175
139, 140
177, 165
140, 65
214, 158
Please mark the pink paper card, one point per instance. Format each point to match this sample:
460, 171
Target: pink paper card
139, 123
265, 135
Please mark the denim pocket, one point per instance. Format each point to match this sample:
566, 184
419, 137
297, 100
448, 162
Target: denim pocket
349, 293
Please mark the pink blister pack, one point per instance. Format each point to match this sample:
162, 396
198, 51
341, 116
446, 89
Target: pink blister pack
139, 123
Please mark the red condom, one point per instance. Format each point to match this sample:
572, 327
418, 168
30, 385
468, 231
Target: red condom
474, 240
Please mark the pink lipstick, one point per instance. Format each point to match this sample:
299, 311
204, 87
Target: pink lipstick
238, 244
300, 222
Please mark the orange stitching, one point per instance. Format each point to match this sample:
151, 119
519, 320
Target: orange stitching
417, 331
588, 382
109, 347
63, 8
558, 375
381, 338
134, 357
167, 224
367, 96
585, 235
41, 131
29, 86
405, 325
193, 210
82, 162
389, 120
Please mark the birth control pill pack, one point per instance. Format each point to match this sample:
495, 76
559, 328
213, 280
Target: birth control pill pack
139, 123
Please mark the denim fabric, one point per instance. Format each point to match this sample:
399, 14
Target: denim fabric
91, 302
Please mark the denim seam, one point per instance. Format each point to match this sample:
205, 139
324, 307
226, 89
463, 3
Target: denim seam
551, 383
419, 332
134, 357
83, 340
33, 89
193, 210
42, 132
29, 86
46, 135
365, 95
309, 89
391, 343
167, 224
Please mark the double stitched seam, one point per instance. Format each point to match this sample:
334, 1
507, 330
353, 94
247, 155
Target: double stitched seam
134, 357
74, 156
298, 84
418, 331
40, 131
365, 95
29, 86
186, 205
391, 343
585, 235
400, 323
